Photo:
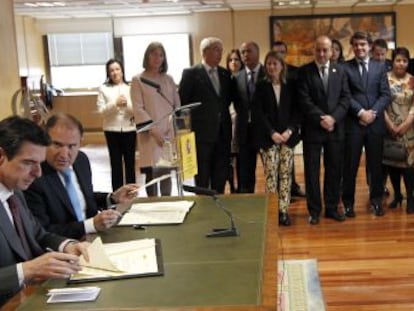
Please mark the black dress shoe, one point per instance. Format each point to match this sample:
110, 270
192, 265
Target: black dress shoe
313, 220
377, 210
284, 219
297, 192
349, 212
335, 215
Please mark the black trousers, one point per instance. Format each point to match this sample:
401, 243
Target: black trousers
246, 165
121, 146
408, 177
333, 161
373, 144
213, 164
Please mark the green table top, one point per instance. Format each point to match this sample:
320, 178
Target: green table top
198, 271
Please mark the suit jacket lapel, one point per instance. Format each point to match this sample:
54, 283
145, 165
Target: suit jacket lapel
206, 77
56, 185
10, 233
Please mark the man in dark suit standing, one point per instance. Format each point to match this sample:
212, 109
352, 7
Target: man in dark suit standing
50, 197
324, 97
209, 84
365, 126
245, 81
281, 48
23, 241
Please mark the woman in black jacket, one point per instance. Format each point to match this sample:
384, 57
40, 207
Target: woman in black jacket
277, 130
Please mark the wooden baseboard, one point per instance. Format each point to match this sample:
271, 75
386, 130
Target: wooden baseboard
94, 138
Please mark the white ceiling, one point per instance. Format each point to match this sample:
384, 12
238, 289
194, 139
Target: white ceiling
124, 8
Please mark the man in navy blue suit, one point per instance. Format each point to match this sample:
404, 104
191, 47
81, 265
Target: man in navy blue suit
365, 126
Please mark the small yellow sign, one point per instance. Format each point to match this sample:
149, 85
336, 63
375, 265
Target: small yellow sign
188, 155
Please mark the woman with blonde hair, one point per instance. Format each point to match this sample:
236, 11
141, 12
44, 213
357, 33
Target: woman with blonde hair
277, 128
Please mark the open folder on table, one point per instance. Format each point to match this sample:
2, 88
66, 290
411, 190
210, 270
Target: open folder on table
156, 213
136, 258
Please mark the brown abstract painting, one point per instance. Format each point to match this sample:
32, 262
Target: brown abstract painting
300, 32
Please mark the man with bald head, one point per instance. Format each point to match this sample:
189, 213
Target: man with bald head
245, 81
324, 97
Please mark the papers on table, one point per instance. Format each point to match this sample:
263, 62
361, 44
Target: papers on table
156, 213
73, 294
120, 260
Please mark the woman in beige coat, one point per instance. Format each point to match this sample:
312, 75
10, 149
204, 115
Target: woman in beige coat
154, 95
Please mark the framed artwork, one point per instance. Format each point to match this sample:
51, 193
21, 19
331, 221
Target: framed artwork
300, 32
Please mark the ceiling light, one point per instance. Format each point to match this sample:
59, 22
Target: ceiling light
33, 5
59, 3
44, 4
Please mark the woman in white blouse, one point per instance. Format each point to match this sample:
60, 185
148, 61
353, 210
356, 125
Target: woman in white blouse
115, 105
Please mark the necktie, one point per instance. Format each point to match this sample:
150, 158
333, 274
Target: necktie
14, 206
364, 73
324, 76
251, 84
70, 189
214, 79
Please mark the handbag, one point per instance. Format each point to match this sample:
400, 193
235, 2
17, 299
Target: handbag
394, 150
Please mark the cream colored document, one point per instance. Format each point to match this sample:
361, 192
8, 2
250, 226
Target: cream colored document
156, 213
116, 260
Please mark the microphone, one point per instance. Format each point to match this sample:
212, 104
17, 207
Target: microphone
150, 83
199, 190
216, 232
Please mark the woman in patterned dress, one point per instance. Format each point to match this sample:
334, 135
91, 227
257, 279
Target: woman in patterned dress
399, 118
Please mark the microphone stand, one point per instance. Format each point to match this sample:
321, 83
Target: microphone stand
146, 126
223, 232
175, 131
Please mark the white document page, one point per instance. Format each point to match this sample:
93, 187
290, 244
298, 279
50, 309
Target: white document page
118, 259
168, 212
73, 294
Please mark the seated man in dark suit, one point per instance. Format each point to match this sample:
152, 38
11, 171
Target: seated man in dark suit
66, 204
23, 241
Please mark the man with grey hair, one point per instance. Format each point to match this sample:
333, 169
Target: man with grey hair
209, 84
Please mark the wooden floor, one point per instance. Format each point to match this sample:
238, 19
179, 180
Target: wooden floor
365, 263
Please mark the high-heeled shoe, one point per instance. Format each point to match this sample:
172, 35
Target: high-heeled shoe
410, 205
284, 219
396, 202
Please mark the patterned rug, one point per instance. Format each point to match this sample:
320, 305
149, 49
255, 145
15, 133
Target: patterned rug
299, 286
